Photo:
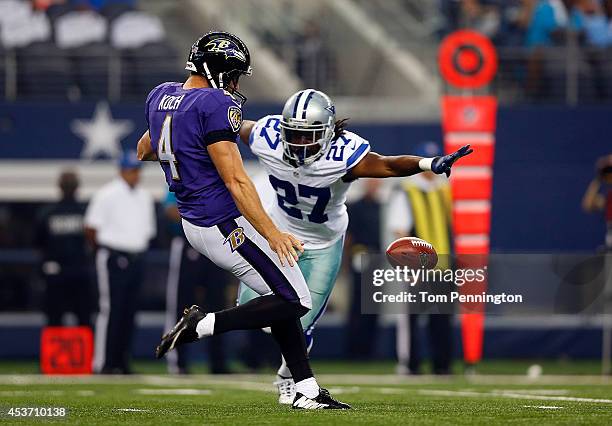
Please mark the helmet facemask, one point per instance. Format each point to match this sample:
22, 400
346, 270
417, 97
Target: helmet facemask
305, 143
227, 81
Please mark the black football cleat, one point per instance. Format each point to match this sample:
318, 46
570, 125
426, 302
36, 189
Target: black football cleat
323, 401
183, 332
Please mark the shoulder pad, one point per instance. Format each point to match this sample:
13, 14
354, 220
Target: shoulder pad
348, 149
266, 133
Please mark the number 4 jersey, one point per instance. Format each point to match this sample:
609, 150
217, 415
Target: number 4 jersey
309, 199
182, 123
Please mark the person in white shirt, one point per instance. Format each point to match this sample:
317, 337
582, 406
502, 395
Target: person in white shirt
119, 223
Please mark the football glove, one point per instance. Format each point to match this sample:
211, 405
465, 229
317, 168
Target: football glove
444, 163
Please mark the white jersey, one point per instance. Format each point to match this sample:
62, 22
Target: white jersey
309, 199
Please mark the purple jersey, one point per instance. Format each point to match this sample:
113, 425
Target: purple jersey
182, 123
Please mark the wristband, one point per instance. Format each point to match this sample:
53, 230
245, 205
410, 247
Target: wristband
425, 163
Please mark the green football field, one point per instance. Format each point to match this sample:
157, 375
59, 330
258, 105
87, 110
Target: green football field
378, 397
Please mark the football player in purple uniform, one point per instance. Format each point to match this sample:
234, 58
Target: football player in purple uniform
192, 131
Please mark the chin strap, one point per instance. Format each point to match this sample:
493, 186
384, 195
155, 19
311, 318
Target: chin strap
209, 76
221, 81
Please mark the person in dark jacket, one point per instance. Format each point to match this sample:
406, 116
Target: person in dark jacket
65, 262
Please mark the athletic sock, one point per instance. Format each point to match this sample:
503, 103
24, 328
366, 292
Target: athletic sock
206, 326
284, 371
308, 387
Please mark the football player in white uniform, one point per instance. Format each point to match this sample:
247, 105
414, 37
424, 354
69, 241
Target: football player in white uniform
311, 160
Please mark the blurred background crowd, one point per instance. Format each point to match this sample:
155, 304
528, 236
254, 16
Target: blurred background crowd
73, 78
551, 50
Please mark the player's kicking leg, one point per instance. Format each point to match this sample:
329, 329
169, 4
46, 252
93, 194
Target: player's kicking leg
237, 247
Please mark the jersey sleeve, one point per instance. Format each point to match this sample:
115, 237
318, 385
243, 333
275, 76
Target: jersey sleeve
356, 149
97, 211
223, 121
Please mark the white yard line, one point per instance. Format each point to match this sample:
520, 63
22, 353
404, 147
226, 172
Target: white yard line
512, 395
264, 381
389, 391
535, 391
543, 407
15, 393
346, 389
245, 382
173, 391
553, 398
438, 392
246, 385
34, 392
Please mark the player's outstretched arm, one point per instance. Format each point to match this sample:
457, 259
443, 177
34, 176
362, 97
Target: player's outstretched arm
374, 165
227, 160
245, 131
144, 149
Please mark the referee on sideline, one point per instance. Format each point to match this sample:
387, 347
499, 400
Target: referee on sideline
119, 223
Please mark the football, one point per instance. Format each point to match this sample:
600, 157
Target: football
412, 252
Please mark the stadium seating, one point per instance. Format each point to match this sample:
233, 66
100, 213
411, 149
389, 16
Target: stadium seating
25, 29
90, 68
11, 10
114, 10
77, 28
55, 11
70, 50
135, 29
2, 73
142, 69
50, 78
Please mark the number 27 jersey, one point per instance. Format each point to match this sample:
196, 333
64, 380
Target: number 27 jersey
310, 199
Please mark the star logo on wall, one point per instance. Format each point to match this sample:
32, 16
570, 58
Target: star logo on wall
102, 134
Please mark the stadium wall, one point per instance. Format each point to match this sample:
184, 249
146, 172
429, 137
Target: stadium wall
565, 341
544, 161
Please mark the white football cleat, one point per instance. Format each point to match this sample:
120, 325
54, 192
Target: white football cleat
286, 390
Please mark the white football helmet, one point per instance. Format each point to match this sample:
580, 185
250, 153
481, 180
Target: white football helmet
307, 126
